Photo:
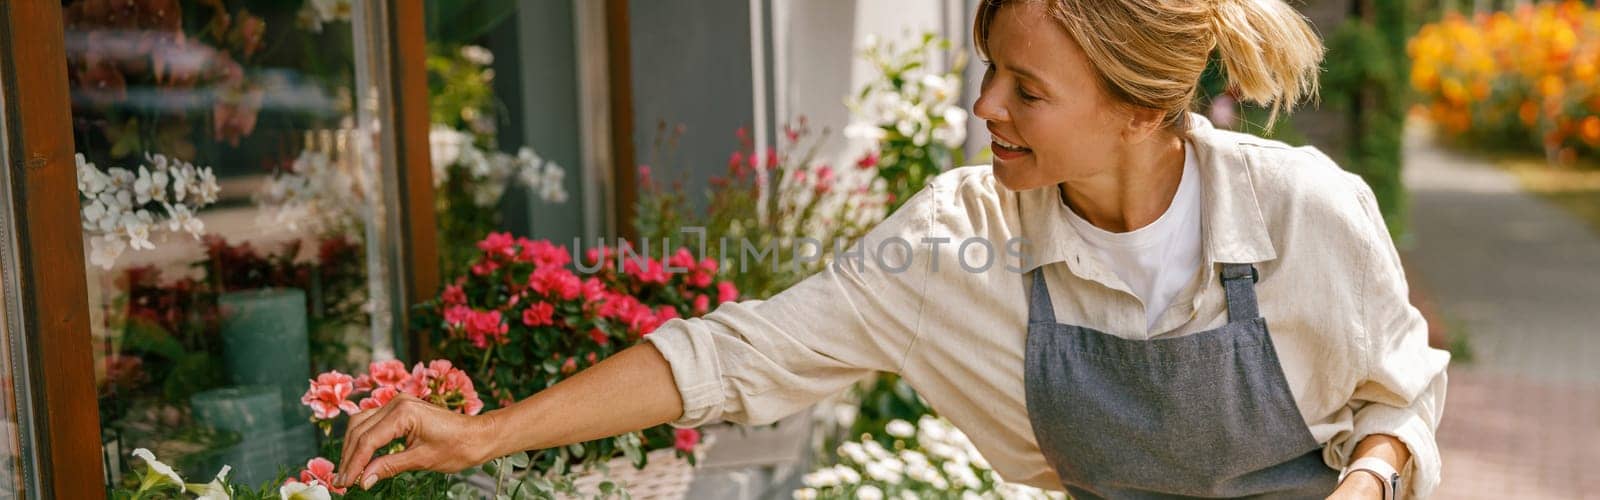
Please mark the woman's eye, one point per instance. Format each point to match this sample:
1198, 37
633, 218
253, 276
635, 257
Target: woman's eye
1026, 97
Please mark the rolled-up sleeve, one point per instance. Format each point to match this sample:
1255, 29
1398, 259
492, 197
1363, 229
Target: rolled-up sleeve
1403, 390
754, 362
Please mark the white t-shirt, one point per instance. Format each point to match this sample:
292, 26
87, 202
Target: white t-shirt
1158, 260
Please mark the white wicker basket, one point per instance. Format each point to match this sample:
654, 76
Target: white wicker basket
665, 476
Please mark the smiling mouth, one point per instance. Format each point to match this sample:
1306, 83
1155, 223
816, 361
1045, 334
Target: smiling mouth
1001, 144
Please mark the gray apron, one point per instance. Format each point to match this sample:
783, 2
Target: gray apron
1204, 415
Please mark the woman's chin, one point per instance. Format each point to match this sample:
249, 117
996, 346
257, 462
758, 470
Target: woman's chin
1015, 177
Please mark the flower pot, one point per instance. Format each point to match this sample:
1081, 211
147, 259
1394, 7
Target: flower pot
664, 476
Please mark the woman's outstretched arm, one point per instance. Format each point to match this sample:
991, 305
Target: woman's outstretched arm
631, 390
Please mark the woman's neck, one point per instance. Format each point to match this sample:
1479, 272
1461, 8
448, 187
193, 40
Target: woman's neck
1135, 191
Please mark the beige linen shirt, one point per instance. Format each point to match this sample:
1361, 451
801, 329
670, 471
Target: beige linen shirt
1353, 349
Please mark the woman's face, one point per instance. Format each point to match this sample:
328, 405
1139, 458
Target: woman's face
1041, 94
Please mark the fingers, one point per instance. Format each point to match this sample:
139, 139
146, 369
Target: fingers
376, 432
387, 466
359, 425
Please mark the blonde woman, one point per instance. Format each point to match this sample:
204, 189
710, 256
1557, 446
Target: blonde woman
1194, 312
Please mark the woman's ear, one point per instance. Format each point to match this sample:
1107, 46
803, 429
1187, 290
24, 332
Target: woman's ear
1142, 123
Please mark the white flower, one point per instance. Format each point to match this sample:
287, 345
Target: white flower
805, 494
121, 178
444, 147
853, 451
91, 181
477, 55
876, 450
136, 229
208, 188
821, 478
913, 457
882, 471
864, 131
953, 131
181, 219
846, 474
151, 186
962, 474
938, 90
93, 212
900, 428
217, 489
105, 249
869, 492
476, 162
183, 179
932, 429
295, 490
553, 191
159, 472
158, 161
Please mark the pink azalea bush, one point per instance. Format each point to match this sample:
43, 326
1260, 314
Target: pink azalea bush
526, 316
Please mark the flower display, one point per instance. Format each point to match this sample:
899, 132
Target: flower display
911, 115
525, 315
332, 394
121, 208
1527, 77
487, 173
929, 459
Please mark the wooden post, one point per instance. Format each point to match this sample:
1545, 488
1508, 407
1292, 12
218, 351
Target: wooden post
39, 143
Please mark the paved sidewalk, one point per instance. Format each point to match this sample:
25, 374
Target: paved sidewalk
1521, 279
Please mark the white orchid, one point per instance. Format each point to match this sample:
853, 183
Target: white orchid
217, 489
183, 179
552, 190
295, 490
105, 249
157, 474
208, 188
181, 219
135, 226
91, 181
121, 178
150, 186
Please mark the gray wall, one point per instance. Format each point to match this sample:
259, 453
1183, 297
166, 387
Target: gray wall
691, 66
536, 79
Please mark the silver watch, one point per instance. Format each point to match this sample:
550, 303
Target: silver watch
1380, 468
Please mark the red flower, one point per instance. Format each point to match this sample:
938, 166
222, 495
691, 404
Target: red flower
363, 383
569, 366
681, 259
328, 395
599, 336
485, 267
457, 316
453, 295
868, 161
590, 358
685, 439
499, 246
702, 303
486, 326
772, 158
555, 282
726, 292
320, 470
544, 254
538, 314
652, 272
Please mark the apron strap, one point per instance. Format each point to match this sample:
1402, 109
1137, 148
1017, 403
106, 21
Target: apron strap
1040, 310
1239, 283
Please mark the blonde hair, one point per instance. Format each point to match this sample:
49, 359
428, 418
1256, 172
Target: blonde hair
1151, 53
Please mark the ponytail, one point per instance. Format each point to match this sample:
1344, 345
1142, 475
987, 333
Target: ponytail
1269, 52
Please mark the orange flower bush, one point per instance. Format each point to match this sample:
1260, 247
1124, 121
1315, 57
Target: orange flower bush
1519, 78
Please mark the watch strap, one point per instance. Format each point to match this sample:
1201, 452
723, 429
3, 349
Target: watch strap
1377, 467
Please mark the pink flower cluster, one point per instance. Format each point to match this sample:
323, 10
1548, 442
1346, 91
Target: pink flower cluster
437, 382
318, 471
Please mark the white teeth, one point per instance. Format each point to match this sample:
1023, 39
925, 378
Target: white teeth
1007, 145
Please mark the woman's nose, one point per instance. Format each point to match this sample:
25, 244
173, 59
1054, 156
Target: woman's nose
988, 108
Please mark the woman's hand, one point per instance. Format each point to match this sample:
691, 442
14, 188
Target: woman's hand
436, 439
1359, 486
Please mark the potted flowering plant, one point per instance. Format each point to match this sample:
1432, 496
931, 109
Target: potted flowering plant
931, 459
911, 116
521, 320
331, 396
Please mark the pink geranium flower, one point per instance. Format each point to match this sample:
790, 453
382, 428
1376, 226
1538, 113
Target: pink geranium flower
726, 292
388, 373
380, 396
329, 394
539, 314
499, 246
685, 439
320, 470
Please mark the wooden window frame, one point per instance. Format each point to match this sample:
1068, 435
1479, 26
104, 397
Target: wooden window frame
50, 253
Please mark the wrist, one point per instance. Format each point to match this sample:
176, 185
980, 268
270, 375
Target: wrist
1365, 483
487, 430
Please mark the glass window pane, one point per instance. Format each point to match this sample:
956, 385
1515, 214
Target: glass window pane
15, 449
232, 198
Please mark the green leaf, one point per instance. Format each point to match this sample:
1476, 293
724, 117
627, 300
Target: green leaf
519, 459
577, 450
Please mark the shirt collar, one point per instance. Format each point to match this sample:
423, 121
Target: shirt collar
1234, 229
